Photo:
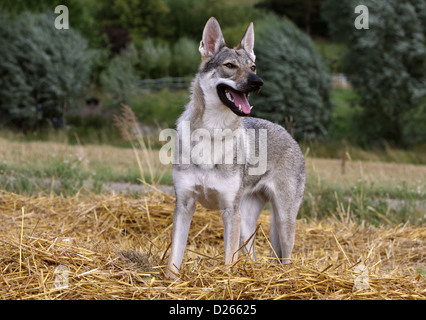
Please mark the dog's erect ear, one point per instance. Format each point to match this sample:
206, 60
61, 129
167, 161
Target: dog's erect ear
247, 42
212, 40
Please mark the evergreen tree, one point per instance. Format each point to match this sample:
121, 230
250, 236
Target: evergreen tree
297, 84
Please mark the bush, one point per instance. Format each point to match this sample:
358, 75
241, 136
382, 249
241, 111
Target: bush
154, 59
297, 84
120, 81
44, 71
185, 58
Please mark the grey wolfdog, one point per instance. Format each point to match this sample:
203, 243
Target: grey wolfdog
219, 103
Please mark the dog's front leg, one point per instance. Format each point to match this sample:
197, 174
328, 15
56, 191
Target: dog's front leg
231, 222
182, 216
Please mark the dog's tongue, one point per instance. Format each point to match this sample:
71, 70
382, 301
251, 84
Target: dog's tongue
240, 98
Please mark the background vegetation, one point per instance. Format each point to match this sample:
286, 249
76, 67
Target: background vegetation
47, 74
386, 66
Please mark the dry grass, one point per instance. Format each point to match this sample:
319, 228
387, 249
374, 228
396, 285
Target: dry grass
333, 171
115, 247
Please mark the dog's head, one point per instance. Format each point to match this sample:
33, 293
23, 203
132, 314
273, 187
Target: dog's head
231, 72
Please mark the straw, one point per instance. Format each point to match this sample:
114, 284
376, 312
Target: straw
116, 247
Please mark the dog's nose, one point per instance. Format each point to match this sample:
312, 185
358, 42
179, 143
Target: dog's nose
255, 82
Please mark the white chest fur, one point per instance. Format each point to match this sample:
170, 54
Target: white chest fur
208, 186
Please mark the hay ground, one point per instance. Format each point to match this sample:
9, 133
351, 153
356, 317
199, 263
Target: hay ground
116, 247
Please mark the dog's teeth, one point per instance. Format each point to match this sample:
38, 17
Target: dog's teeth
239, 107
228, 95
251, 107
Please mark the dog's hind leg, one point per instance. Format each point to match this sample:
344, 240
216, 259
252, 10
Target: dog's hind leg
274, 237
182, 216
250, 207
285, 206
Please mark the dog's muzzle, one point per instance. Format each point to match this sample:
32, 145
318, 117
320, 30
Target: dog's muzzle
237, 100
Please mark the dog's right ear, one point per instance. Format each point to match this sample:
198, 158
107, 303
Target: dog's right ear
212, 40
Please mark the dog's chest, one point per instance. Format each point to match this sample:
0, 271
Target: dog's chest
211, 187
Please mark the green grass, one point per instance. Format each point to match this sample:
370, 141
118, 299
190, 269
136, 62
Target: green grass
364, 200
56, 175
68, 177
376, 192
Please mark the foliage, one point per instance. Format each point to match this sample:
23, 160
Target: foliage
81, 12
346, 109
118, 38
119, 79
296, 89
155, 59
140, 17
332, 53
386, 65
185, 57
161, 108
305, 14
186, 18
44, 70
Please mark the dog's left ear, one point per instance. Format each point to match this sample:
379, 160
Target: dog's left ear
247, 42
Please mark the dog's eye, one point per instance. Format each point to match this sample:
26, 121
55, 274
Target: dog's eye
253, 68
230, 65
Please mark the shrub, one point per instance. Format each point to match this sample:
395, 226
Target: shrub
297, 84
185, 58
44, 71
154, 59
120, 80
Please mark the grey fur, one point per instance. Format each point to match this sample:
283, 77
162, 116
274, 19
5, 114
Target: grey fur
230, 187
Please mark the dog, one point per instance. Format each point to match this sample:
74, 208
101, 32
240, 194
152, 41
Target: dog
219, 103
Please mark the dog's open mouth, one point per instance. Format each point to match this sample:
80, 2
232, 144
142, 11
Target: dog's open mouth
235, 100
